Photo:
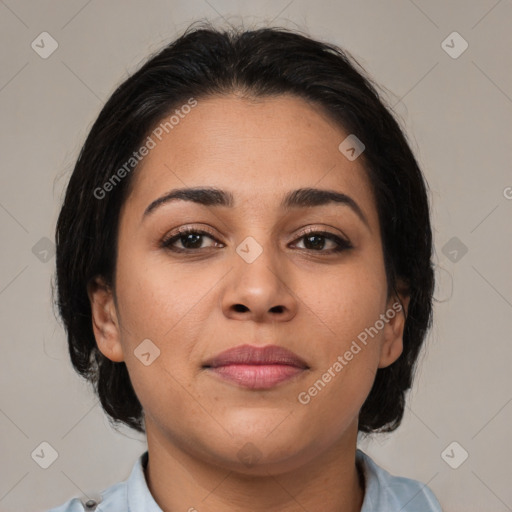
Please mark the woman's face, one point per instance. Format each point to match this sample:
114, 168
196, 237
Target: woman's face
257, 278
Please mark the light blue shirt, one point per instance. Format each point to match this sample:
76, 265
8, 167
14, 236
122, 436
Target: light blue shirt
383, 493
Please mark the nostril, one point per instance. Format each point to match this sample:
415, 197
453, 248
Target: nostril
240, 308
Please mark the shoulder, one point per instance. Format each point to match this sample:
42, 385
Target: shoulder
385, 491
131, 494
113, 498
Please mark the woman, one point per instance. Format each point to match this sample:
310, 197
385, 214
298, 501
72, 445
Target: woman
244, 273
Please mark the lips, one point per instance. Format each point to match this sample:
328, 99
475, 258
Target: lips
256, 368
251, 355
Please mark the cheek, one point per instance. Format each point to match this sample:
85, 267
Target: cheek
154, 299
346, 370
171, 309
348, 301
167, 308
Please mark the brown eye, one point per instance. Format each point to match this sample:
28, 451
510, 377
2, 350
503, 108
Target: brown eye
316, 241
190, 239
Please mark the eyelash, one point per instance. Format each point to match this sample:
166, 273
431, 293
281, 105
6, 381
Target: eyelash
342, 244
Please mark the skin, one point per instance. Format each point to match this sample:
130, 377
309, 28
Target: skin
197, 423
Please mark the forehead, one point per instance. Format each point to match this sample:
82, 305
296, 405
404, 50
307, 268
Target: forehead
259, 149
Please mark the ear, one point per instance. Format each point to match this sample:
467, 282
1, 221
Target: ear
104, 319
396, 313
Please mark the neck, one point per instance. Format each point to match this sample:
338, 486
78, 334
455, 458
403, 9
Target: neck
179, 480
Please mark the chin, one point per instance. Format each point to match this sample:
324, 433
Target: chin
254, 459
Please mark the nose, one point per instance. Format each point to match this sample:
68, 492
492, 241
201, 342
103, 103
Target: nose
259, 290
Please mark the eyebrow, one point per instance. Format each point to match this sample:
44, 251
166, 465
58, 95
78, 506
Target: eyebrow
300, 198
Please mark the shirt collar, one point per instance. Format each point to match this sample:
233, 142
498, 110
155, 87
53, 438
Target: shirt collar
138, 494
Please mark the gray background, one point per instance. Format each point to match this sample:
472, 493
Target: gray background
458, 114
